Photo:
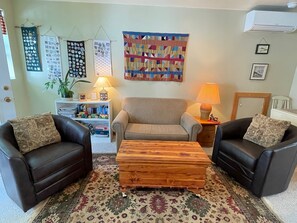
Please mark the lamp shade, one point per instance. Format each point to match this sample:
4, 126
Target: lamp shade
209, 94
102, 82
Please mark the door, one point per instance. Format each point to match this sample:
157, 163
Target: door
7, 106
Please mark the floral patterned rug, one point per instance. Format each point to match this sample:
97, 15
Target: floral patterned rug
97, 198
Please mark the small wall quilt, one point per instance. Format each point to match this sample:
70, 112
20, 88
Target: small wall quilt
30, 43
52, 54
154, 56
76, 58
102, 57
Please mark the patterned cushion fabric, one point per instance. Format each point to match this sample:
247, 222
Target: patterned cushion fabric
34, 132
266, 131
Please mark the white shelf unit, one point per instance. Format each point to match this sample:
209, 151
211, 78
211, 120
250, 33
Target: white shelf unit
101, 126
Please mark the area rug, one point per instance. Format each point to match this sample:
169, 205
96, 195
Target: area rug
97, 198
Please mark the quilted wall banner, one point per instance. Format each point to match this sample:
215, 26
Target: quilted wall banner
76, 58
52, 54
154, 56
102, 57
30, 43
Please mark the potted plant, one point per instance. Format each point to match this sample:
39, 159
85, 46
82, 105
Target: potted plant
64, 86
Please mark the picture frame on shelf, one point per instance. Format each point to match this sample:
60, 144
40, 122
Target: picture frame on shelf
93, 96
259, 71
262, 49
82, 97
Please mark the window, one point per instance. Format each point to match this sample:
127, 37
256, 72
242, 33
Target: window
7, 45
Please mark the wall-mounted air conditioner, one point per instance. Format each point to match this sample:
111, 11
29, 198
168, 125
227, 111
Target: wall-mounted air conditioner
270, 21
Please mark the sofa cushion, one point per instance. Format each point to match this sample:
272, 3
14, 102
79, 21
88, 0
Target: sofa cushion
243, 151
155, 110
266, 131
51, 159
34, 132
156, 132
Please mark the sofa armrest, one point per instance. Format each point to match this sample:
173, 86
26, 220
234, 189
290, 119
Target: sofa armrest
72, 131
275, 168
119, 126
191, 125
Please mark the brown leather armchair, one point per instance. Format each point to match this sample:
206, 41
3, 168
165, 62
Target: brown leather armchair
34, 176
264, 171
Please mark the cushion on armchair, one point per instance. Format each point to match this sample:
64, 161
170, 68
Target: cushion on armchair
263, 170
31, 177
34, 132
266, 131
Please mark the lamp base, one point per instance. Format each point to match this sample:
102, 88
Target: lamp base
205, 110
103, 95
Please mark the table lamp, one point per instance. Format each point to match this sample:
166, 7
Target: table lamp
208, 96
102, 82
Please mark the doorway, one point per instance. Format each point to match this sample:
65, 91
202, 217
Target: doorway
7, 105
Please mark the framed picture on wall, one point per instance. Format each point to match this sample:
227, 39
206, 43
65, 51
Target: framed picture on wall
259, 71
262, 48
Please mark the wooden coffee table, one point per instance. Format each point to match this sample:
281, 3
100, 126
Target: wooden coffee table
148, 163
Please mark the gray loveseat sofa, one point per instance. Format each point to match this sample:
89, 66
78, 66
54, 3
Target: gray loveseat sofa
155, 119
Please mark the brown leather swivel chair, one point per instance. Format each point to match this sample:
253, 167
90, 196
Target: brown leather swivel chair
264, 171
34, 176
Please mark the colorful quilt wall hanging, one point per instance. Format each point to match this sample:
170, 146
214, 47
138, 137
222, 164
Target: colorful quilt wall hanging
76, 59
30, 43
154, 56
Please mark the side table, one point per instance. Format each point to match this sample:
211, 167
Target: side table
206, 136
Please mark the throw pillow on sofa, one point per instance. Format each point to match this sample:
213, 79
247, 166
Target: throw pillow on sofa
34, 132
266, 131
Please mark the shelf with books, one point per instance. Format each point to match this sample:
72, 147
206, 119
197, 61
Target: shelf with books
96, 115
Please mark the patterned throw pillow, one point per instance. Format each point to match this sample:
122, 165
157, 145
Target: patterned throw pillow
266, 131
34, 132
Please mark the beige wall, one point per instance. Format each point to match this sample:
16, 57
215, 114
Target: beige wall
218, 50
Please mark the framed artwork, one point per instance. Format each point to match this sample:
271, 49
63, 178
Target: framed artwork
262, 48
94, 96
260, 99
82, 97
259, 71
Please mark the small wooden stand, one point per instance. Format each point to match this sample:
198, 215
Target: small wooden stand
206, 136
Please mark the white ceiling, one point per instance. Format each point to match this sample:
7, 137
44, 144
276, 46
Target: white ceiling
211, 4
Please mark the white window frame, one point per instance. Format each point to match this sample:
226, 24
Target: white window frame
8, 51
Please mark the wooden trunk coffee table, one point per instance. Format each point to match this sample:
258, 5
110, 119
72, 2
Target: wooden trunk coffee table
147, 163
